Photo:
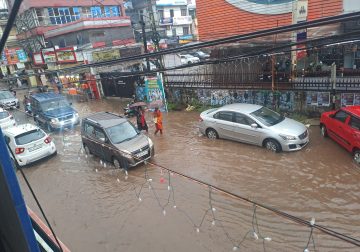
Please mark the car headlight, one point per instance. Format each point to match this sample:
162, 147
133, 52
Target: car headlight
126, 154
76, 114
150, 142
54, 120
287, 137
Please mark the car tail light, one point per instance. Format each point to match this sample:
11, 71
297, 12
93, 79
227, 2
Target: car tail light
200, 119
19, 150
47, 140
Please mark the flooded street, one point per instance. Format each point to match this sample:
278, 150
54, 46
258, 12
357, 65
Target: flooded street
97, 208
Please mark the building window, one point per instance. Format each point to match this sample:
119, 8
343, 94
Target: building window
63, 15
161, 14
183, 12
185, 30
171, 13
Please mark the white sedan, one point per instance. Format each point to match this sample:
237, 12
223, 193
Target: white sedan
28, 143
6, 119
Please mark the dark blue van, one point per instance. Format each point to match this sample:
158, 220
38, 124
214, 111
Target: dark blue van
53, 111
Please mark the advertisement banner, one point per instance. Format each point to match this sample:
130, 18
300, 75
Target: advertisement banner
318, 99
154, 90
347, 99
49, 55
66, 55
21, 54
11, 56
106, 55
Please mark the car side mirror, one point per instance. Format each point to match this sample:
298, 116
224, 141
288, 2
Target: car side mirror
254, 125
331, 116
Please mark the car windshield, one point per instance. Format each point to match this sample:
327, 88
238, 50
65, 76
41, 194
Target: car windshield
267, 116
54, 104
29, 136
4, 114
122, 132
6, 95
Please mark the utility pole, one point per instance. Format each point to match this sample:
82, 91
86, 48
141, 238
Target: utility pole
333, 85
145, 41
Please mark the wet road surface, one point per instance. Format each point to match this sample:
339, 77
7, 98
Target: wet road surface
96, 208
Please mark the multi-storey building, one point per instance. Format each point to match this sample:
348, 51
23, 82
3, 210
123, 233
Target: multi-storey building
50, 23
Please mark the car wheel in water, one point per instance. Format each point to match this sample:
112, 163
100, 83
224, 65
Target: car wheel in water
212, 134
117, 163
323, 131
87, 150
357, 157
272, 145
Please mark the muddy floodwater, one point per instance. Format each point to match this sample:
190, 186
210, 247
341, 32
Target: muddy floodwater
97, 208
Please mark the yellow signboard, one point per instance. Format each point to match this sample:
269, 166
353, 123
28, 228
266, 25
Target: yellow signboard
106, 55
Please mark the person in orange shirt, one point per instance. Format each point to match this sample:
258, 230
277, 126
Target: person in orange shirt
158, 121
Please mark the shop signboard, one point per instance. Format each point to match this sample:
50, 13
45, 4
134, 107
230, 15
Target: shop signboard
38, 58
166, 21
301, 13
106, 55
186, 37
130, 51
49, 55
4, 70
11, 56
171, 2
65, 55
182, 20
3, 58
21, 54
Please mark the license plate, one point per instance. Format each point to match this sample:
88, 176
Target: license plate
36, 147
141, 154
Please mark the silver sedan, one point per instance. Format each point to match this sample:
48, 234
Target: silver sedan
256, 125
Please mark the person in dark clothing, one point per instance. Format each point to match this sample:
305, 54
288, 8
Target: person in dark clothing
140, 120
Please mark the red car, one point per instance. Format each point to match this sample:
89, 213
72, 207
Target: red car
343, 126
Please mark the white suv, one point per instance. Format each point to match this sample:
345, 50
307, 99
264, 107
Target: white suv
188, 59
6, 119
28, 143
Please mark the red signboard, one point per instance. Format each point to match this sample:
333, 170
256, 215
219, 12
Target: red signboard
38, 59
66, 55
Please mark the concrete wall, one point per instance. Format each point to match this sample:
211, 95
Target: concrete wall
307, 102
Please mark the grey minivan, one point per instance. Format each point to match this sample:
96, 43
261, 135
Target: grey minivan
115, 139
254, 124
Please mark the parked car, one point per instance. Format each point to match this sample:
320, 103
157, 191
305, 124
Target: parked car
256, 125
53, 111
188, 59
8, 100
201, 55
115, 139
152, 66
6, 119
343, 126
28, 143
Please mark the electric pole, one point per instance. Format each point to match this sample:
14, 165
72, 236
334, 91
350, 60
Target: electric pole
145, 41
